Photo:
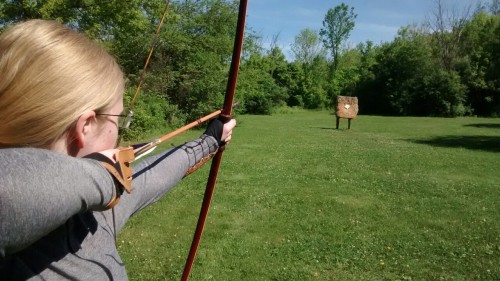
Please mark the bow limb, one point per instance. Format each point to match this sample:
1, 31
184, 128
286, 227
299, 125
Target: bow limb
226, 111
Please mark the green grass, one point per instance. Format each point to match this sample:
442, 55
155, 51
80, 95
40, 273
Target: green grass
390, 199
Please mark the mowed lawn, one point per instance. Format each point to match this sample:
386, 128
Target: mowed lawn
393, 198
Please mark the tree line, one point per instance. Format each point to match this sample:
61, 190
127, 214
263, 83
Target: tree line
448, 66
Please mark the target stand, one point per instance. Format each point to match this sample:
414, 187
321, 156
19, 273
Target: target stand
347, 107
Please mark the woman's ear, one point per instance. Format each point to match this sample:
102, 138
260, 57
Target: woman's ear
81, 132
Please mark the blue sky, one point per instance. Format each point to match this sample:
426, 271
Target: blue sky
377, 20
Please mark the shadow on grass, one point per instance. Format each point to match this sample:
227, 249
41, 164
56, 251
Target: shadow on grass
485, 143
332, 128
324, 128
484, 125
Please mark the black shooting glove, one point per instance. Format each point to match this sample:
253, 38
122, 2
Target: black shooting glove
214, 129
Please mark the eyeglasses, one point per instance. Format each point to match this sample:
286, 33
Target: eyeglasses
124, 120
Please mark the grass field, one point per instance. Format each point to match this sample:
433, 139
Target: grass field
390, 199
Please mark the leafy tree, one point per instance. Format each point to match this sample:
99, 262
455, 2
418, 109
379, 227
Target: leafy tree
366, 87
257, 88
447, 32
347, 75
319, 74
293, 79
337, 26
480, 67
494, 7
98, 19
251, 44
277, 64
310, 56
440, 93
410, 82
192, 57
306, 46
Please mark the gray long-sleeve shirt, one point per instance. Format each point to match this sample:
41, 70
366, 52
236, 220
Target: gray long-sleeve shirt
52, 226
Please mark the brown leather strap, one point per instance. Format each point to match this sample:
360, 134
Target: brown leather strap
200, 163
121, 171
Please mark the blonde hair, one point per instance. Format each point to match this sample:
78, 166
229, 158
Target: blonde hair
49, 76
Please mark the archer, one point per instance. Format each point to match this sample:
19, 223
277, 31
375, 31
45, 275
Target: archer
61, 102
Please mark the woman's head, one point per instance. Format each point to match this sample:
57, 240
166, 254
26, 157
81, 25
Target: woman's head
50, 77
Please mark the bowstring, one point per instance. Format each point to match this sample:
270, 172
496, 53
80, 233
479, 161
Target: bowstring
130, 112
153, 42
138, 88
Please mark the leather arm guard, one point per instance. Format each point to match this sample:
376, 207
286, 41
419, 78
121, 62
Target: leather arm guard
216, 132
